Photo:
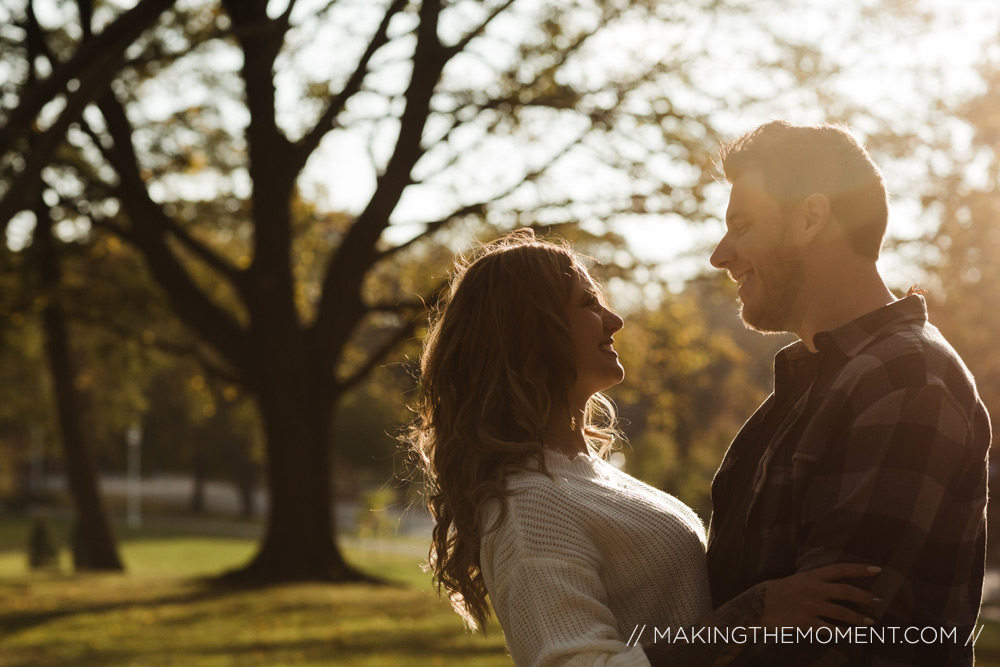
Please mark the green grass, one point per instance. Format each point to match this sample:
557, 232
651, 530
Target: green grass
162, 613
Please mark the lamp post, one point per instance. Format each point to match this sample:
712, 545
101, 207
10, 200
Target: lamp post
133, 438
37, 479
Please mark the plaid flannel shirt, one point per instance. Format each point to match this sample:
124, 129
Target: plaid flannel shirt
872, 450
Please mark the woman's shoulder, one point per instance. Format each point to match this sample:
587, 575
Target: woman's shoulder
529, 490
538, 502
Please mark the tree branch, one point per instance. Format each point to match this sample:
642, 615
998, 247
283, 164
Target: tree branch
268, 149
149, 221
201, 250
459, 46
116, 229
404, 332
174, 348
286, 15
95, 72
495, 123
401, 334
305, 147
167, 224
86, 9
481, 207
341, 296
495, 103
396, 306
95, 55
432, 227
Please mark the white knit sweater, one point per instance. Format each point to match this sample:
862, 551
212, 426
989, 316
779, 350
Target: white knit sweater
580, 560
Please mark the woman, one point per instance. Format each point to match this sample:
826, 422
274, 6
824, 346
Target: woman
574, 554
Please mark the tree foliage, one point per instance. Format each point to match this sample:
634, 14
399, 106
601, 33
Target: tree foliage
693, 376
191, 141
274, 187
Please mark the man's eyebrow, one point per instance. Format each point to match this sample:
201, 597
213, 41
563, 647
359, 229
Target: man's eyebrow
739, 214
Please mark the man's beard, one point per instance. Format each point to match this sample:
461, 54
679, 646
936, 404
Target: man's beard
773, 306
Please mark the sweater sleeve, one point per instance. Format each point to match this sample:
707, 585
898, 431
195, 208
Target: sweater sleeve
550, 600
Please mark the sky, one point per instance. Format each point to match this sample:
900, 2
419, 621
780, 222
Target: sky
890, 69
884, 65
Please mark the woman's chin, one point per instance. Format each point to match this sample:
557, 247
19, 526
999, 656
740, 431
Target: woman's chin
609, 382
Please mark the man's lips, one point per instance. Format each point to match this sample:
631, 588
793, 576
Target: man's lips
606, 345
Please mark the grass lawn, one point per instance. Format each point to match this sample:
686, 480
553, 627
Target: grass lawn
163, 613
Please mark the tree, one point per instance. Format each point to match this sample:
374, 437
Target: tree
93, 544
960, 252
693, 376
201, 171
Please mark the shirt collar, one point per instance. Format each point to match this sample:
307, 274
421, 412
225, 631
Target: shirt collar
853, 337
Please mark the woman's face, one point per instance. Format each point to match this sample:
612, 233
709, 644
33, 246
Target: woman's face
591, 327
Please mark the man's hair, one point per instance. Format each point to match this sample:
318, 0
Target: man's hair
799, 160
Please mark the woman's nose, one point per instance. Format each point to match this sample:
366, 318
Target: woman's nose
613, 321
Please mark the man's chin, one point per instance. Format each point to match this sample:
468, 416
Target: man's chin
765, 323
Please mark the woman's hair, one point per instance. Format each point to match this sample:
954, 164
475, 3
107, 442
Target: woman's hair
497, 363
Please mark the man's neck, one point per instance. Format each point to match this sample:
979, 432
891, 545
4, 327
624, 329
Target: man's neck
843, 299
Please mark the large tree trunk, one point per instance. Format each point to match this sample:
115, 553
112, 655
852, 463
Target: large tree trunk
93, 543
299, 541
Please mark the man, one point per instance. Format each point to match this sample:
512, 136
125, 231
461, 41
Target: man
873, 446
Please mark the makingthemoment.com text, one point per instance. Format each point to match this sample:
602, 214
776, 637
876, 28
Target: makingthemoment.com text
821, 635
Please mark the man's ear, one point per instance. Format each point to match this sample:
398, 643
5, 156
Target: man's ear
816, 210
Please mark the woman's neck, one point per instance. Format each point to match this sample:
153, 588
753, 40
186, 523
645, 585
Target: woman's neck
564, 432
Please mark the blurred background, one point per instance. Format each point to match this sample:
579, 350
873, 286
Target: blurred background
224, 221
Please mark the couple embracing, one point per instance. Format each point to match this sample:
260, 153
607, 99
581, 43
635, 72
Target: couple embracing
852, 502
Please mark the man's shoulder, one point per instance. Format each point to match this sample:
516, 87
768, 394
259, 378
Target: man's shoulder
913, 356
915, 359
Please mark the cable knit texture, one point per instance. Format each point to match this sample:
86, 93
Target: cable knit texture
580, 560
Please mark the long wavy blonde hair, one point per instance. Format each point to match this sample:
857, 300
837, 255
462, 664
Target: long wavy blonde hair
496, 365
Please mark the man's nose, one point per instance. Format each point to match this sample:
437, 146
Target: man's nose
723, 254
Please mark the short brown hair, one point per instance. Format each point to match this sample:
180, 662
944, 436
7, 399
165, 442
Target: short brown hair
799, 160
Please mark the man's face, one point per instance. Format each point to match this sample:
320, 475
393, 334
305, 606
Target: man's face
758, 254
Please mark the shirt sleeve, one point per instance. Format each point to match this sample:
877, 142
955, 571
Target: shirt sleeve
901, 487
551, 602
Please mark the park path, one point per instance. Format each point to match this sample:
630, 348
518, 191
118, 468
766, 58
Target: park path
172, 493
222, 509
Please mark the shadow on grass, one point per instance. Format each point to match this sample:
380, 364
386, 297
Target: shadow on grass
356, 626
312, 652
205, 590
